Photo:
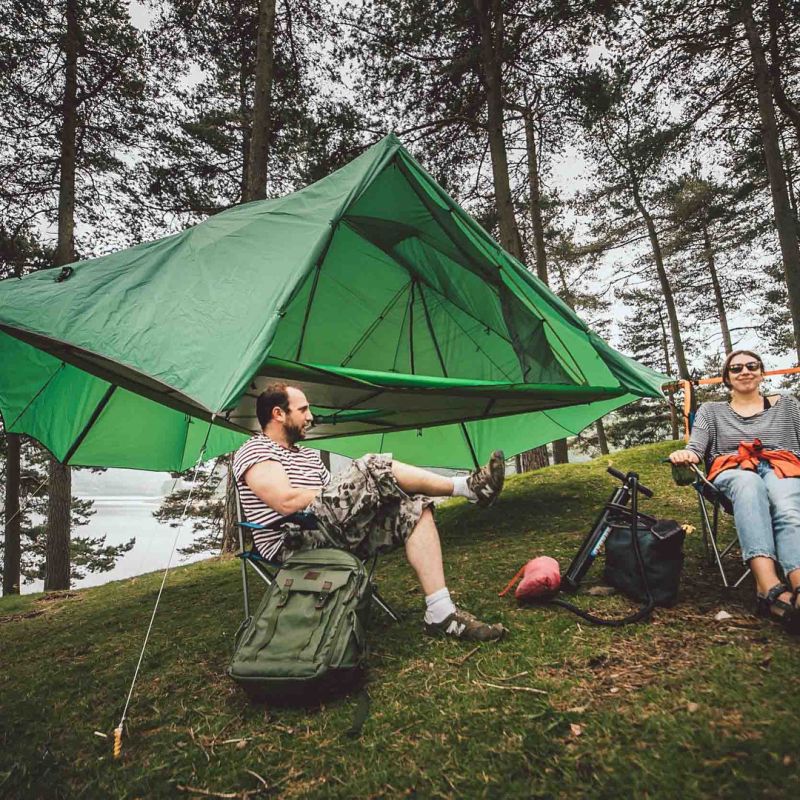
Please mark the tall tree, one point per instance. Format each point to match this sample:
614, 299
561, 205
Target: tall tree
630, 141
256, 183
456, 75
491, 28
727, 82
60, 484
708, 236
19, 252
785, 220
70, 102
257, 123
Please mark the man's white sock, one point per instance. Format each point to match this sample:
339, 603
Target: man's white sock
460, 488
439, 606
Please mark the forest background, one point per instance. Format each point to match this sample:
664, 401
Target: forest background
641, 157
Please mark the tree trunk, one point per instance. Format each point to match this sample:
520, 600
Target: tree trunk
65, 249
602, 441
784, 220
255, 153
11, 548
489, 14
722, 313
534, 190
246, 123
560, 449
490, 24
262, 96
56, 571
790, 110
666, 288
534, 459
673, 411
60, 482
787, 165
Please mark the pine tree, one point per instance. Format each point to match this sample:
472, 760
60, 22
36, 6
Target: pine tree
461, 76
631, 141
71, 97
260, 122
734, 64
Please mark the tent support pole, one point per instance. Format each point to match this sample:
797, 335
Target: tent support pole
88, 426
411, 327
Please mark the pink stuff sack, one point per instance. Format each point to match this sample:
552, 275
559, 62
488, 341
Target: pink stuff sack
541, 577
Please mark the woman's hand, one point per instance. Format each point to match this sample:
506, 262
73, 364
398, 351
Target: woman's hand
684, 457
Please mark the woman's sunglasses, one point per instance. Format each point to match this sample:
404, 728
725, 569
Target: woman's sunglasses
750, 366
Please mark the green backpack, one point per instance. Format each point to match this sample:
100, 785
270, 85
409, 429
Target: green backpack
309, 630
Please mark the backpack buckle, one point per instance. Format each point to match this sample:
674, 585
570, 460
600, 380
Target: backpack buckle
284, 594
322, 597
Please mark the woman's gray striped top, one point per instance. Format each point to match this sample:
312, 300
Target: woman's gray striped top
718, 429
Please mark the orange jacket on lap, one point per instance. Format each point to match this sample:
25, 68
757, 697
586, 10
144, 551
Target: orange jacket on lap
784, 463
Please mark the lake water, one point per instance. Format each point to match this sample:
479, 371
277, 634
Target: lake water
121, 518
124, 502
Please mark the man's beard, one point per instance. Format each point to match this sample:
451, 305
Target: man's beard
294, 433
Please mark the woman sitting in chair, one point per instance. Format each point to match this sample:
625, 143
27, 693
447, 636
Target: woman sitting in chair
750, 446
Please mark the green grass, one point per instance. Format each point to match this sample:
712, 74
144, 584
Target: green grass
681, 707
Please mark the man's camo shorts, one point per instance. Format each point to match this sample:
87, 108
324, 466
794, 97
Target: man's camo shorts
363, 510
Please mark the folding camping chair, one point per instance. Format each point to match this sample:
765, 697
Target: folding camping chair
710, 502
266, 569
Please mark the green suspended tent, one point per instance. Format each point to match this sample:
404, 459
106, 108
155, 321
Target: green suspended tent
409, 328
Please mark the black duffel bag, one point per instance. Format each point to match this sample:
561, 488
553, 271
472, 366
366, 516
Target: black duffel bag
661, 550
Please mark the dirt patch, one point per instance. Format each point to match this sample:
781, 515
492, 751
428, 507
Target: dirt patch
21, 615
677, 647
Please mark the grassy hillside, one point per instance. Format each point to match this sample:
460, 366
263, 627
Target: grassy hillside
682, 707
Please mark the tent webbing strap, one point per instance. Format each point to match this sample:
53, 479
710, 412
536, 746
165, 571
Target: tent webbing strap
33, 399
24, 508
313, 291
119, 729
411, 328
439, 355
369, 330
408, 316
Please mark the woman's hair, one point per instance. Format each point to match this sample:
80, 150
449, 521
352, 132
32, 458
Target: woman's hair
726, 367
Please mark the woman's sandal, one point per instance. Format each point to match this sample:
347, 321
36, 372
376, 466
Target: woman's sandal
788, 614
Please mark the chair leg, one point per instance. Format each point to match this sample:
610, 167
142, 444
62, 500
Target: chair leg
384, 606
710, 537
262, 573
710, 525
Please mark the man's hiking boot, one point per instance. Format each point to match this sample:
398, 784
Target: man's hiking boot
486, 482
463, 625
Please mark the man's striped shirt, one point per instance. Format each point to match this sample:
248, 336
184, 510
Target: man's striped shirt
304, 468
718, 429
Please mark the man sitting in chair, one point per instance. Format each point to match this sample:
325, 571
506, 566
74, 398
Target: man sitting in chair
377, 505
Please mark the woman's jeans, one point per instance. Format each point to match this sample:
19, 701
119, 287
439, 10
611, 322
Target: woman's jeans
766, 510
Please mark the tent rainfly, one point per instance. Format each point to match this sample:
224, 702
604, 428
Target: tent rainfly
409, 328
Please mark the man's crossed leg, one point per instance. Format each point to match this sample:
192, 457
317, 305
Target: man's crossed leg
380, 504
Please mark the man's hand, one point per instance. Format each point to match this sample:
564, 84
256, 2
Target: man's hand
270, 483
684, 457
